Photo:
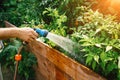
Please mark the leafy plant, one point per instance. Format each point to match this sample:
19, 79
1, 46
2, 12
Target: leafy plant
26, 65
72, 9
26, 11
99, 37
57, 21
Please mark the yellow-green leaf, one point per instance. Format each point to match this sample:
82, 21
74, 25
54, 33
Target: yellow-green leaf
119, 62
96, 58
98, 45
108, 48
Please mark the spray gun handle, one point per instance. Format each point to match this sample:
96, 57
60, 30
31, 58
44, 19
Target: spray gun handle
41, 32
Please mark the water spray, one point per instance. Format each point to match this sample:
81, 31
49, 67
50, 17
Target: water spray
63, 42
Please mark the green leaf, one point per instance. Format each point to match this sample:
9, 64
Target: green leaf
98, 45
93, 65
108, 48
103, 64
110, 67
116, 36
13, 2
44, 12
108, 59
96, 58
118, 75
103, 56
98, 30
85, 36
86, 44
89, 59
119, 62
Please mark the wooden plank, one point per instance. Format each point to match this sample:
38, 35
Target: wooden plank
39, 76
47, 71
60, 75
46, 68
64, 63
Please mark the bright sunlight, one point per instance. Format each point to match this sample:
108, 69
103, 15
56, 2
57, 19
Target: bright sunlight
115, 4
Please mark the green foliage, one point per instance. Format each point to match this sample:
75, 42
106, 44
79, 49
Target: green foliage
25, 67
20, 11
26, 11
56, 24
72, 9
99, 37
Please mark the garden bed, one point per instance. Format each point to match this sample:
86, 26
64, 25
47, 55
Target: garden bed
54, 65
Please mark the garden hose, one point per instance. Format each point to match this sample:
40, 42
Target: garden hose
18, 58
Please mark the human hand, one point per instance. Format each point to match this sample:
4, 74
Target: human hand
26, 34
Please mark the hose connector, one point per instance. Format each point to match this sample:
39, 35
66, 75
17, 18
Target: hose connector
41, 32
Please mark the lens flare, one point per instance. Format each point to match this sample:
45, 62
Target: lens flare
115, 4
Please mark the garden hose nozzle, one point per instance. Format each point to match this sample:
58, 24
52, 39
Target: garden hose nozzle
41, 32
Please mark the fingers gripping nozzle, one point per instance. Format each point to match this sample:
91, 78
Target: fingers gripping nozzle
41, 32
